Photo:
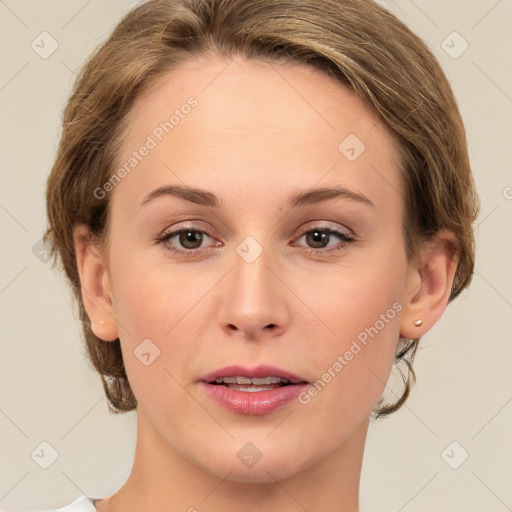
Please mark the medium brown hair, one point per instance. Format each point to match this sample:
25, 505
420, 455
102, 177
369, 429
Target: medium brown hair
356, 41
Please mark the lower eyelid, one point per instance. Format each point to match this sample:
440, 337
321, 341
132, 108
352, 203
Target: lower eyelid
167, 237
344, 236
345, 239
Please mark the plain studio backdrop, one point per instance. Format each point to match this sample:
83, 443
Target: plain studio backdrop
447, 449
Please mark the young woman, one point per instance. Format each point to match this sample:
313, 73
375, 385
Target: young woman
261, 207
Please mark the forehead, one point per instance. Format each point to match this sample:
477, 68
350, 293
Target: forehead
255, 123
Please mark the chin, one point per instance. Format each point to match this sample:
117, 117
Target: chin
250, 465
259, 474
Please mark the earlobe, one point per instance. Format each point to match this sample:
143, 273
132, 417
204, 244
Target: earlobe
95, 284
430, 285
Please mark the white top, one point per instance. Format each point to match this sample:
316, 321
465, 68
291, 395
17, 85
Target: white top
82, 504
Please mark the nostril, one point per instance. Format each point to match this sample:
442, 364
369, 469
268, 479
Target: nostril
235, 328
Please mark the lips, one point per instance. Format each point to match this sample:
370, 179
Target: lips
229, 374
252, 391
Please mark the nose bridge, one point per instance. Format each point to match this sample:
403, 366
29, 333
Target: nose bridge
253, 282
253, 296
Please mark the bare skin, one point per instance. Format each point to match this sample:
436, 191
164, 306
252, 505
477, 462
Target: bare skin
259, 133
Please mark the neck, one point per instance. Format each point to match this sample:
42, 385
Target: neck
162, 479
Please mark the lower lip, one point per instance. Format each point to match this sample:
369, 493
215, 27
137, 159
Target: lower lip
254, 403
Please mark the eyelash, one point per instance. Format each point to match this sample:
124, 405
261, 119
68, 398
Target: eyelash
345, 237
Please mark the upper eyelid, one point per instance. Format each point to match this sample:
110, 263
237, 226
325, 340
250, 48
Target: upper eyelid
315, 224
320, 225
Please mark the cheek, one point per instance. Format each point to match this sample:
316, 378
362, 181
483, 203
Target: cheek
361, 305
148, 306
365, 322
361, 296
149, 296
158, 324
154, 301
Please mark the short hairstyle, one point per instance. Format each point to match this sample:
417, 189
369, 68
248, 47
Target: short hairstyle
357, 42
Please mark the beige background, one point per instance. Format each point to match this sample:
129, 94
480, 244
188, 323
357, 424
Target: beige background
48, 393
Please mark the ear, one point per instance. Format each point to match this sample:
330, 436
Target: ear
430, 282
95, 284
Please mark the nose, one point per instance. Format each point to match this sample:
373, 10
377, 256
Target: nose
253, 299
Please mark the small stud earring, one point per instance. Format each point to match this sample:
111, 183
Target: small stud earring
417, 323
102, 322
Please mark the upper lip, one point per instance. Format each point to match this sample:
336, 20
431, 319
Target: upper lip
258, 371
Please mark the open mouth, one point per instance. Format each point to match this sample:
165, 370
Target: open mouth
251, 385
260, 393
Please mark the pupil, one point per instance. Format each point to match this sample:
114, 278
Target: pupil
319, 237
190, 237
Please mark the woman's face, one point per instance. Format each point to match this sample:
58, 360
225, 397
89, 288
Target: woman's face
258, 279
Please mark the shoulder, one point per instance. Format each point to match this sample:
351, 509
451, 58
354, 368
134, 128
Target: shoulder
82, 504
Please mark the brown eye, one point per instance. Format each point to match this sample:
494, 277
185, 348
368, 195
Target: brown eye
318, 240
190, 239
184, 241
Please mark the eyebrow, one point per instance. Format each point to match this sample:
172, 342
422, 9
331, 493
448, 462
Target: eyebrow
205, 198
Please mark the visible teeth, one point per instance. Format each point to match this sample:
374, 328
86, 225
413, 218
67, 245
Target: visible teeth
269, 380
252, 389
255, 380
